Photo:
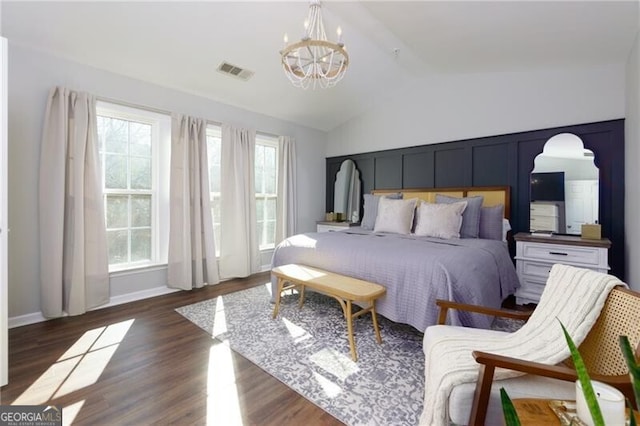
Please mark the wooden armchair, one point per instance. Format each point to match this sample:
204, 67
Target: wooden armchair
600, 351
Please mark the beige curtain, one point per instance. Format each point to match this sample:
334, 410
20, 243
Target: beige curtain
192, 250
286, 210
239, 253
73, 245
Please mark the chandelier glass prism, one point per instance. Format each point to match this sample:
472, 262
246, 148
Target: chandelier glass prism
314, 61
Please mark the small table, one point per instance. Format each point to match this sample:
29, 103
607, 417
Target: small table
533, 412
342, 288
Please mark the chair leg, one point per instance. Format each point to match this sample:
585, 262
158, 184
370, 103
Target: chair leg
481, 395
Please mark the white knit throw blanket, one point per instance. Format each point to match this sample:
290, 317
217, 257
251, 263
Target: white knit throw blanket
573, 296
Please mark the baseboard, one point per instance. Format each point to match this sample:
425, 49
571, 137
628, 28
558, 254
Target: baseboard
36, 317
138, 295
26, 319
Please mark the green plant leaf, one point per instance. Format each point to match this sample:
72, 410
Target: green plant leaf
585, 381
634, 367
509, 411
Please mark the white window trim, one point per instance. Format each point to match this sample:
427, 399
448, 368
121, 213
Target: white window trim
160, 165
270, 141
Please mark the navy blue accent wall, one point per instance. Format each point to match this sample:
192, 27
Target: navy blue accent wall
496, 161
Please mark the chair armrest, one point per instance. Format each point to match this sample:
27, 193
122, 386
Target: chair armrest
445, 305
560, 372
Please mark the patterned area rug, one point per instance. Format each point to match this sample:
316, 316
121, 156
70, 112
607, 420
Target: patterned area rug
307, 349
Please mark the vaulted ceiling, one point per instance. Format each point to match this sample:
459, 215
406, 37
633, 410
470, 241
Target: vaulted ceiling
392, 44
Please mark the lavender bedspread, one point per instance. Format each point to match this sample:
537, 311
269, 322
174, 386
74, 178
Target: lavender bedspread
415, 270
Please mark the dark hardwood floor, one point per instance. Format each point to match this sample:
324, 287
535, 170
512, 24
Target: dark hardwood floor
142, 363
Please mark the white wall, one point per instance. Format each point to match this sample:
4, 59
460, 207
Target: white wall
632, 171
32, 74
446, 108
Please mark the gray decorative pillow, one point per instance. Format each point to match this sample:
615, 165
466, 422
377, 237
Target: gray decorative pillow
371, 209
470, 217
491, 226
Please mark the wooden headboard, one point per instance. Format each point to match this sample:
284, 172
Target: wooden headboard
493, 195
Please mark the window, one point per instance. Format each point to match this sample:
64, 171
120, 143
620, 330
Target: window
266, 174
214, 144
130, 156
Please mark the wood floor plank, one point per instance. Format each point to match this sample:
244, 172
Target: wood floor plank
159, 372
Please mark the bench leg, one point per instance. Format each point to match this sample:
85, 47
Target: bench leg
375, 321
301, 300
352, 342
276, 308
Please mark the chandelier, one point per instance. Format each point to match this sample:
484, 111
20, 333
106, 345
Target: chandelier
314, 61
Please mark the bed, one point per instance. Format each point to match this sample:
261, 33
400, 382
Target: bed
417, 269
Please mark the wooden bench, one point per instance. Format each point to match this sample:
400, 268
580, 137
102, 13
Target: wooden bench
342, 288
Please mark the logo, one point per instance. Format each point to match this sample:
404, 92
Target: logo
30, 415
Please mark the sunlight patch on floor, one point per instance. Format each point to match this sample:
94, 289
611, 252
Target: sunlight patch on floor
267, 285
335, 363
70, 412
298, 334
223, 407
219, 319
330, 388
80, 366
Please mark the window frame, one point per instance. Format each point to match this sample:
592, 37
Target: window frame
159, 192
214, 131
271, 142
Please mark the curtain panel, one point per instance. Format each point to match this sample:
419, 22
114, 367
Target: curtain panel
74, 272
239, 253
286, 210
192, 250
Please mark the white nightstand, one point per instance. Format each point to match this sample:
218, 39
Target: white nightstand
323, 226
535, 255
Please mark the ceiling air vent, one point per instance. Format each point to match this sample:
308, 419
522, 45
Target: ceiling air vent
234, 71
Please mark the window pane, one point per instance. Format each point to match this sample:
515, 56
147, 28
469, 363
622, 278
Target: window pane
117, 211
140, 244
214, 178
102, 123
213, 154
260, 236
215, 213
116, 135
271, 233
270, 181
270, 157
140, 173
140, 210
260, 213
115, 171
140, 139
271, 209
118, 246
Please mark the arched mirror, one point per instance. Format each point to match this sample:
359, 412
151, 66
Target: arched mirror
346, 198
564, 186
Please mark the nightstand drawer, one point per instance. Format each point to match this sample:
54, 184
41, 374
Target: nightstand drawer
535, 269
536, 255
587, 256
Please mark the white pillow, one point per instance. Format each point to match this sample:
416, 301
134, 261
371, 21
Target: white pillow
395, 215
440, 220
